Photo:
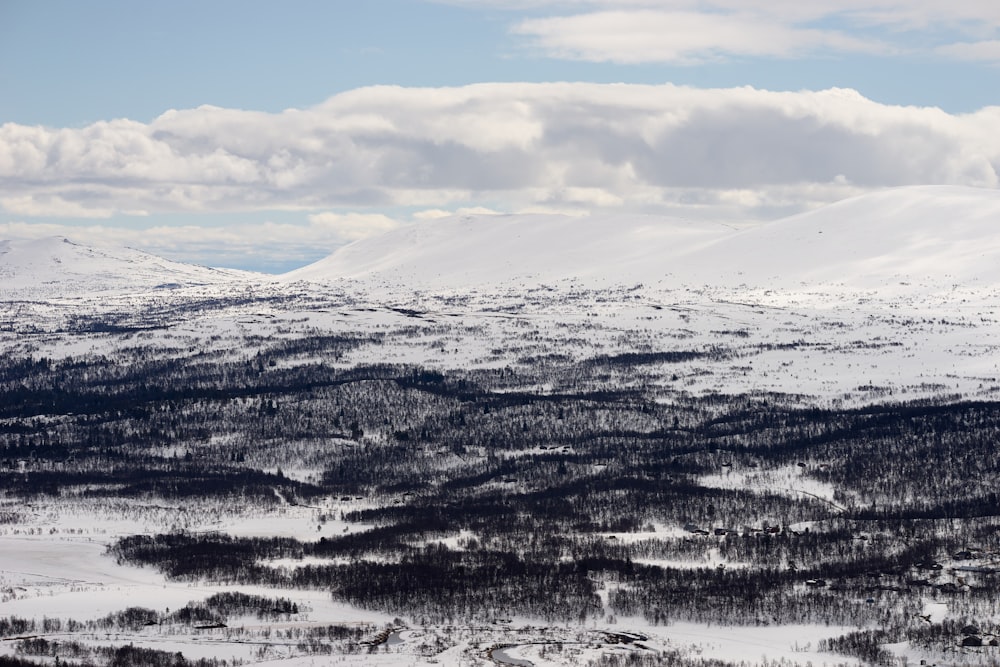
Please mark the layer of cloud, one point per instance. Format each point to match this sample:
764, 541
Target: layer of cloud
509, 146
693, 31
987, 51
437, 213
351, 227
685, 37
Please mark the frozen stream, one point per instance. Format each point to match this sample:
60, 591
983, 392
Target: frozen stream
501, 657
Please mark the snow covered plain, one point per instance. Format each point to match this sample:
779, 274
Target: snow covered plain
54, 567
888, 297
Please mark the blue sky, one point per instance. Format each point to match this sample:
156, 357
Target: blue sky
256, 134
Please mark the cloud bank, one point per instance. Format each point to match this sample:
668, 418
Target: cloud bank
582, 145
560, 145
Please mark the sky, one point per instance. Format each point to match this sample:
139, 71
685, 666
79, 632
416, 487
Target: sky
264, 135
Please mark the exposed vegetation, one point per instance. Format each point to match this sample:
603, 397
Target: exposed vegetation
490, 498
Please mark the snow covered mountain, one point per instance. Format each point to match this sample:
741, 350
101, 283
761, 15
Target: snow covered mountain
914, 236
485, 249
928, 235
58, 267
901, 284
934, 233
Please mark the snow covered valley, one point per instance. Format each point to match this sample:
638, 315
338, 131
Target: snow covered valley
527, 440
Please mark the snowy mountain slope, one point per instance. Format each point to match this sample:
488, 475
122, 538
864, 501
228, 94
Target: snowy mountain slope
895, 290
936, 235
56, 267
914, 233
930, 234
487, 249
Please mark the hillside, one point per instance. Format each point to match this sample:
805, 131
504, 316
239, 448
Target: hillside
485, 249
932, 234
59, 267
919, 236
941, 234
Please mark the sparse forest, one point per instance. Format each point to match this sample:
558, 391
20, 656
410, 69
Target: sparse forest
481, 497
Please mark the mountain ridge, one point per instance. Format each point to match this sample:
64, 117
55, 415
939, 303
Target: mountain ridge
940, 232
56, 266
925, 235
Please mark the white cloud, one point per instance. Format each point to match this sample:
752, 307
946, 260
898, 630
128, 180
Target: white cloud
641, 36
515, 146
437, 213
984, 51
899, 14
352, 226
693, 31
50, 205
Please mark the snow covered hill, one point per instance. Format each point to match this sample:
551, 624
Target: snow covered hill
889, 292
937, 233
58, 267
485, 249
899, 239
929, 235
